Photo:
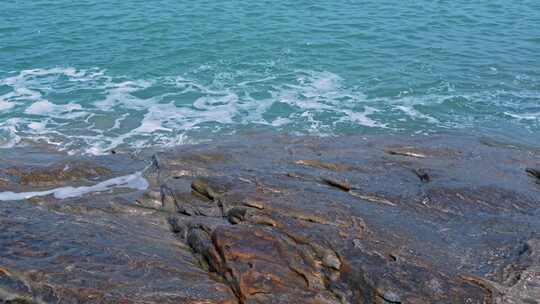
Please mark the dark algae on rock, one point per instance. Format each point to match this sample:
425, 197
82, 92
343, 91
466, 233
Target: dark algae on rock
266, 218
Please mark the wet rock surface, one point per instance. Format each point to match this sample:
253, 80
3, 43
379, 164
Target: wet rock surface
275, 219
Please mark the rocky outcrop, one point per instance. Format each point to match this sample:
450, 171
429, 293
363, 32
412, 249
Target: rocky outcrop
276, 219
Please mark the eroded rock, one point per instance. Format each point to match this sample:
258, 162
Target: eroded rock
332, 220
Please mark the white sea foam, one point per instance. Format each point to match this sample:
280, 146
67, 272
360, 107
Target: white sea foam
133, 181
36, 126
524, 116
6, 105
46, 108
324, 92
280, 121
9, 135
120, 112
415, 114
363, 118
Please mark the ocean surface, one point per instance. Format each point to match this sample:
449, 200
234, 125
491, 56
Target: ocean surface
89, 76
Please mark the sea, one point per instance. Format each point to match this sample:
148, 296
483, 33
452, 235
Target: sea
89, 76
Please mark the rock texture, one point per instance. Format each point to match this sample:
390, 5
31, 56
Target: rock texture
277, 219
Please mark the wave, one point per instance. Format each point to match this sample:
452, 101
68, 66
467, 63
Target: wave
92, 111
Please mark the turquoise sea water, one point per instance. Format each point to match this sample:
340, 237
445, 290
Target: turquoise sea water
89, 75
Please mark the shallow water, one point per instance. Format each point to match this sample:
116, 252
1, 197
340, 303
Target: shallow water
92, 76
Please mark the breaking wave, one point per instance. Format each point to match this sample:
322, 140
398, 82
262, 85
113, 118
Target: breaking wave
92, 111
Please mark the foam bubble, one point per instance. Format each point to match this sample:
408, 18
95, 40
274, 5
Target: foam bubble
363, 118
5, 105
36, 126
280, 121
151, 124
40, 107
46, 108
415, 114
8, 133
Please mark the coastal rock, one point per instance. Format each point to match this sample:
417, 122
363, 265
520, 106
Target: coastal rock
54, 175
534, 172
346, 224
422, 175
336, 182
105, 258
520, 278
262, 267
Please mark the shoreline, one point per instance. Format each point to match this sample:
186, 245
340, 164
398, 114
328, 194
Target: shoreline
486, 137
265, 217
